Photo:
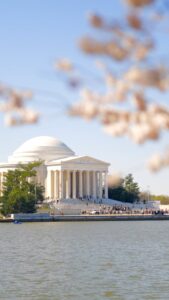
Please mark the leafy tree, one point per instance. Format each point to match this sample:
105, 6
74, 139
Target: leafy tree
131, 186
20, 192
127, 191
117, 193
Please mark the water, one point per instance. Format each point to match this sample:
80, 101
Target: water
79, 261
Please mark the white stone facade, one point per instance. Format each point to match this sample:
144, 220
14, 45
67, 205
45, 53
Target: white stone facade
63, 174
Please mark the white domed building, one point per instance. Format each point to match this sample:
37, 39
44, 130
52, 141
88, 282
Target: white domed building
62, 173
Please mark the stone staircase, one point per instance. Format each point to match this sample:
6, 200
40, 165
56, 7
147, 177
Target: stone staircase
76, 206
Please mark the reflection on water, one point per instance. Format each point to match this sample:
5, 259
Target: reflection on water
92, 260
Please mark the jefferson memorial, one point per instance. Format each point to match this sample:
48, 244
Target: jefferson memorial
62, 173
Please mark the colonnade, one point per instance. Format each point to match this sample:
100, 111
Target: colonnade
76, 184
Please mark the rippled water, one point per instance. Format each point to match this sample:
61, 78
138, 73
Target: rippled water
92, 260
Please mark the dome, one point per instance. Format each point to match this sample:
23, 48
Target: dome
40, 148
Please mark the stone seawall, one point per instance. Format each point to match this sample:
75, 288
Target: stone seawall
81, 218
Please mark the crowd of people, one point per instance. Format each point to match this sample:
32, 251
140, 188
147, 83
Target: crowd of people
125, 210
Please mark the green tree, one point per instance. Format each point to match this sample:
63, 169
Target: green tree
131, 187
127, 191
117, 193
20, 192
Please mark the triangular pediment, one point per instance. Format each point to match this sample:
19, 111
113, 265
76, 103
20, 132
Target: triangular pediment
84, 160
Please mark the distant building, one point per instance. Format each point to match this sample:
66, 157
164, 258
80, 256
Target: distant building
63, 174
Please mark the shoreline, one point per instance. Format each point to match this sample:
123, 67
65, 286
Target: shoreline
89, 218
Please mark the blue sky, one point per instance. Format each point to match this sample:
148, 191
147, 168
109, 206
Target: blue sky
35, 33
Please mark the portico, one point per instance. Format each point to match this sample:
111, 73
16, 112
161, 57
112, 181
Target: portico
76, 184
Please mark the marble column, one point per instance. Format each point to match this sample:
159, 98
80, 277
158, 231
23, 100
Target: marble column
56, 184
74, 184
61, 184
84, 182
87, 183
68, 184
97, 184
100, 185
106, 186
49, 184
80, 184
94, 184
52, 184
